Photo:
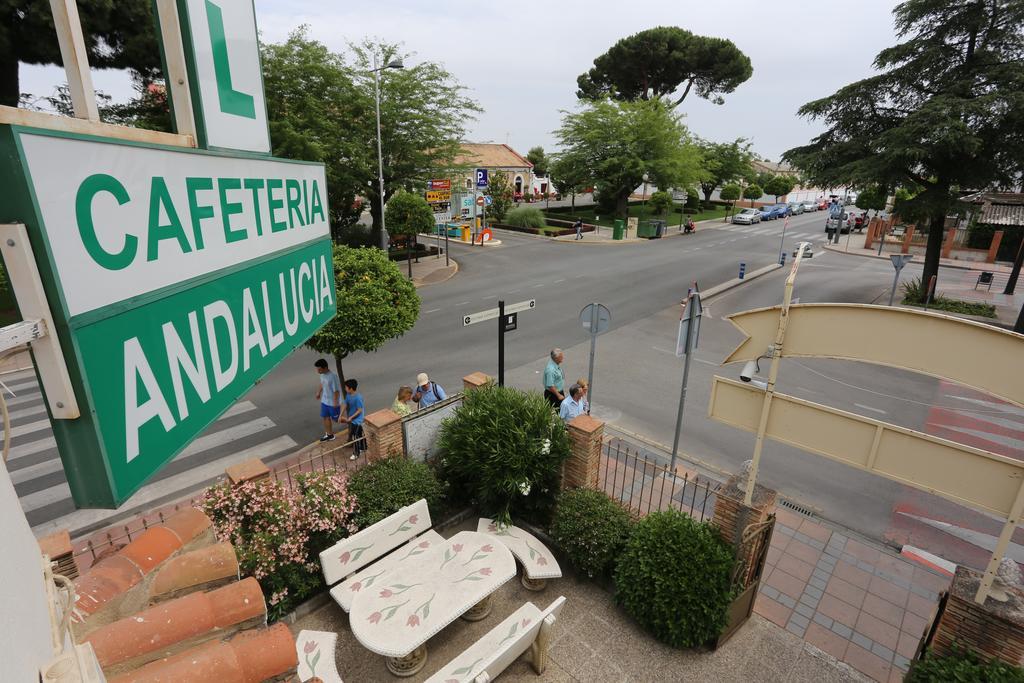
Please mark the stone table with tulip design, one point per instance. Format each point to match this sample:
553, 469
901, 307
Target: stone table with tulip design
414, 601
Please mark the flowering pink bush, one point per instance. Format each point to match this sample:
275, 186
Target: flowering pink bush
279, 532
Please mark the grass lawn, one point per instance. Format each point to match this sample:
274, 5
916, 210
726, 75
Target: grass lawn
588, 216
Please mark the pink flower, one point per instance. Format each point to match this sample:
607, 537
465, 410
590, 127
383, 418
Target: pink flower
345, 556
356, 586
457, 547
487, 548
424, 544
492, 527
542, 560
414, 519
486, 571
386, 593
413, 620
374, 618
309, 646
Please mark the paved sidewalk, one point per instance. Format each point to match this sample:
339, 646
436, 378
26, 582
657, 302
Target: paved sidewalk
430, 270
860, 603
853, 243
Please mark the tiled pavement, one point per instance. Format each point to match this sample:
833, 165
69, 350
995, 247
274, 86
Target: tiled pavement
862, 605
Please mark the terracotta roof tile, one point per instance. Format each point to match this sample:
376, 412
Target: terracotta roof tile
188, 523
249, 657
151, 548
159, 631
194, 569
491, 156
107, 580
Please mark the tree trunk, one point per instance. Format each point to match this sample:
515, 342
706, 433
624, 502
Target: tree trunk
622, 205
10, 88
408, 253
936, 229
707, 194
1011, 283
341, 373
574, 202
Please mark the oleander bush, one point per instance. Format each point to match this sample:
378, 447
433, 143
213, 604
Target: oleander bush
963, 665
384, 487
591, 529
278, 533
502, 450
525, 217
674, 578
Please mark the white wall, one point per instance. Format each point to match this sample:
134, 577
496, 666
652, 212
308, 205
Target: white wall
24, 616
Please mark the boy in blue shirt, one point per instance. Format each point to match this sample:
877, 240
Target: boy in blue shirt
354, 416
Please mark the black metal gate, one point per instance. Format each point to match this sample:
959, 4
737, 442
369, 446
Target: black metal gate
751, 556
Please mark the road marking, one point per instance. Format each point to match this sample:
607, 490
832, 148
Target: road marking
874, 410
30, 448
37, 426
35, 471
557, 281
1001, 407
432, 310
485, 298
513, 291
462, 303
978, 538
205, 443
25, 412
237, 409
538, 285
706, 362
576, 277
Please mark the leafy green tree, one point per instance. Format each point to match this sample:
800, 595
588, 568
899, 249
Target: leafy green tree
409, 214
944, 114
724, 162
752, 192
375, 303
872, 198
118, 35
569, 176
424, 112
660, 202
499, 189
779, 185
730, 193
313, 109
540, 161
655, 63
621, 141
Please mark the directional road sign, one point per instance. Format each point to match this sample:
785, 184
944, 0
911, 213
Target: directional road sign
492, 313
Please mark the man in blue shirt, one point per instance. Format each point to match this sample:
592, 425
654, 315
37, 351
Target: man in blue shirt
554, 379
329, 395
427, 393
354, 416
573, 403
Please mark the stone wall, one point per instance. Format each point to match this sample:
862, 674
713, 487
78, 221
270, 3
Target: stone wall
586, 436
383, 430
994, 630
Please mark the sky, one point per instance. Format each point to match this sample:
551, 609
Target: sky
521, 62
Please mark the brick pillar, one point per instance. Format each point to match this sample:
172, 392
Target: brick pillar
947, 243
383, 431
869, 238
993, 249
994, 630
250, 470
906, 239
475, 381
586, 435
732, 516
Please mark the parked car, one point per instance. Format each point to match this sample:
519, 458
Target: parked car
767, 213
796, 208
747, 217
844, 222
822, 204
781, 210
810, 206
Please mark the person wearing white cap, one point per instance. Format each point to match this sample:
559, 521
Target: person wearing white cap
427, 393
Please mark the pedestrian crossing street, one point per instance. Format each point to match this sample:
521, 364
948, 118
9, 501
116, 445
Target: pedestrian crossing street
37, 473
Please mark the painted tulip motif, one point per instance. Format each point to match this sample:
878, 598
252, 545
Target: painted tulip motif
475, 575
309, 648
449, 554
354, 554
406, 525
424, 609
480, 554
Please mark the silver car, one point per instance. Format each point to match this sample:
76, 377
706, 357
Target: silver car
810, 206
747, 217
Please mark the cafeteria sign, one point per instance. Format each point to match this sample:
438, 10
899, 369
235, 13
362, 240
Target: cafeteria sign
176, 277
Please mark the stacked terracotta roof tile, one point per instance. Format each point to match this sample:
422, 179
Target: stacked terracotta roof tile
169, 607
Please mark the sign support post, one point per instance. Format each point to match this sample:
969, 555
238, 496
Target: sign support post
595, 318
692, 320
898, 261
501, 341
507, 322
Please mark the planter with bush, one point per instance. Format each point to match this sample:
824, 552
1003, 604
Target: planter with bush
963, 665
384, 487
591, 529
674, 578
914, 293
502, 450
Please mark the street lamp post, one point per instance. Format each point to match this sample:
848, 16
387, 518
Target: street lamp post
643, 207
393, 64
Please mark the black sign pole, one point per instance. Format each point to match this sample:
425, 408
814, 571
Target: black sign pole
501, 343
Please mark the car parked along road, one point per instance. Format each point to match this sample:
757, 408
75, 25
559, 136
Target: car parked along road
747, 217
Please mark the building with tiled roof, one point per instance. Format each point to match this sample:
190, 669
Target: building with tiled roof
1004, 209
496, 159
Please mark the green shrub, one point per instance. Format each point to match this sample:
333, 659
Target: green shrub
384, 487
914, 293
692, 200
660, 202
525, 217
591, 528
965, 666
674, 578
503, 450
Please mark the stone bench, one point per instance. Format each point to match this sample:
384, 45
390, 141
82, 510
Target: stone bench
539, 564
528, 628
352, 562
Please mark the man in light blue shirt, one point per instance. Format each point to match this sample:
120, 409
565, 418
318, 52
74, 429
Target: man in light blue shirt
554, 379
329, 395
573, 403
427, 393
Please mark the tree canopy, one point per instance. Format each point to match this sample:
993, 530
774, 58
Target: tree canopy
499, 189
375, 304
408, 214
119, 34
945, 114
724, 162
656, 63
779, 185
752, 192
540, 161
569, 176
613, 144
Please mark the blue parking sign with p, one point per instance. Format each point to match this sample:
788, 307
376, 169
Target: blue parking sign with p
481, 177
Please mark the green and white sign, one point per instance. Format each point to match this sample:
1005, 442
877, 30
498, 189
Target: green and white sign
176, 277
225, 77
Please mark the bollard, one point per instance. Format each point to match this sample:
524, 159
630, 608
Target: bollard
743, 269
782, 258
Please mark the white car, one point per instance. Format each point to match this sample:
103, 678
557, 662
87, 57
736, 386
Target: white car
810, 206
747, 217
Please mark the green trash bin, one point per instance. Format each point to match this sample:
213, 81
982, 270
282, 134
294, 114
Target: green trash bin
618, 229
646, 229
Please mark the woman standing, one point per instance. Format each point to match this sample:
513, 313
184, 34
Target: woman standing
401, 405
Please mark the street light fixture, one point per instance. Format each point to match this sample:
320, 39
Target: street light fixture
643, 207
395, 63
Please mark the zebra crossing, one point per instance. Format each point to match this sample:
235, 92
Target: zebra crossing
775, 230
37, 472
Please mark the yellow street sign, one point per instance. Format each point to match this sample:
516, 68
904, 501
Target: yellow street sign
965, 475
942, 346
439, 195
